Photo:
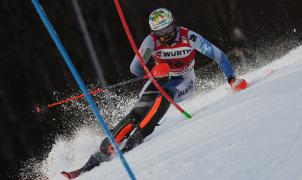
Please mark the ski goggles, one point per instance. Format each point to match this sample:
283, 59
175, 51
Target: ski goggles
166, 31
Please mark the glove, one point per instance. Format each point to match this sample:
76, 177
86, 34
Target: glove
161, 70
237, 84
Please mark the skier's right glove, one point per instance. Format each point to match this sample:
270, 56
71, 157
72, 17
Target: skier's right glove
161, 70
237, 84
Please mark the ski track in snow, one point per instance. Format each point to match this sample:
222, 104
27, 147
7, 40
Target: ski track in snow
255, 134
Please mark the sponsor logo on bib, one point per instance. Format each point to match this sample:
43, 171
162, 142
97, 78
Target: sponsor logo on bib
173, 53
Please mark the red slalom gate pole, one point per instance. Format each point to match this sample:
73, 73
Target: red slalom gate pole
131, 40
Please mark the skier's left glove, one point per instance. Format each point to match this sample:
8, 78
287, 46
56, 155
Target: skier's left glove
237, 84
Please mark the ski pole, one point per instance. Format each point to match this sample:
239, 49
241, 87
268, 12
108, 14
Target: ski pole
40, 108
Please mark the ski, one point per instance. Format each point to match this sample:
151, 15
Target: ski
72, 174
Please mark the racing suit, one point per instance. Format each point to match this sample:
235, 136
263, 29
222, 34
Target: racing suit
152, 106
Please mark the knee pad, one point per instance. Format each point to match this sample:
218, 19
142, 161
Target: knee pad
119, 132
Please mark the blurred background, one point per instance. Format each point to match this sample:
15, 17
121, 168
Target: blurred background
32, 71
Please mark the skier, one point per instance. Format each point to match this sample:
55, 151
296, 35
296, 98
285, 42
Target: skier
169, 45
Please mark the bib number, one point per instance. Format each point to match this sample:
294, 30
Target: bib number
178, 64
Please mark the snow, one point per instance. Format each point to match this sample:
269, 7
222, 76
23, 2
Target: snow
253, 134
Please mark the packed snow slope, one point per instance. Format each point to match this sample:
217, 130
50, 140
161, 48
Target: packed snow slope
255, 134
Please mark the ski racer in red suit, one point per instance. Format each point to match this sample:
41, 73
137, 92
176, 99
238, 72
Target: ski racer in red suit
175, 46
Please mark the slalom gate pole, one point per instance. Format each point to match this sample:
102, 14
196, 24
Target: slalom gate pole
79, 81
131, 40
99, 90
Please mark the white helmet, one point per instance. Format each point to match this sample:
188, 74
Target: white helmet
160, 19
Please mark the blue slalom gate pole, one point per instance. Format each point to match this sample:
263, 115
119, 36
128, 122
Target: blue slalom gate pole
81, 84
